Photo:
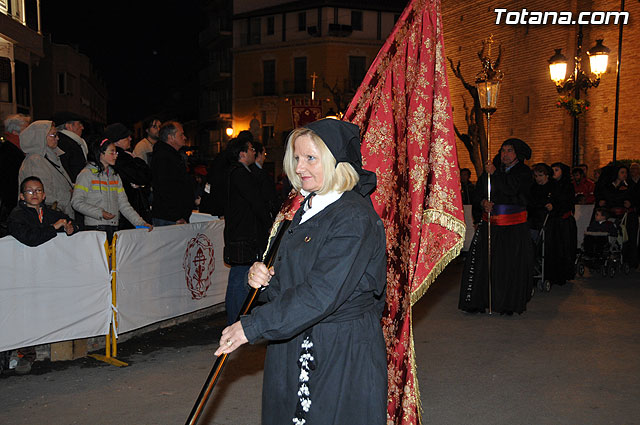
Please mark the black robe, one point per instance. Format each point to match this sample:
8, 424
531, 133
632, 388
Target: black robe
511, 250
561, 236
329, 283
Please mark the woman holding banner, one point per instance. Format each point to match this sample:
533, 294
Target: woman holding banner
326, 361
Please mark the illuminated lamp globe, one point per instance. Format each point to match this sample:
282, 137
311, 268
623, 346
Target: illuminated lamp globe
598, 58
488, 91
558, 67
229, 131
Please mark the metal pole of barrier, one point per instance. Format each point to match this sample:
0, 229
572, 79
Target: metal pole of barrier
111, 340
107, 347
114, 323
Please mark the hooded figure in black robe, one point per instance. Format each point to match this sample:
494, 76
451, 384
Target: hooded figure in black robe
511, 246
326, 358
562, 232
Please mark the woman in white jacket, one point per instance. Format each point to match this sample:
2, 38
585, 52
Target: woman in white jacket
39, 142
99, 194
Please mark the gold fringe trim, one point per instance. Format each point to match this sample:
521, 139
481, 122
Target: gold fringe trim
452, 224
457, 226
446, 220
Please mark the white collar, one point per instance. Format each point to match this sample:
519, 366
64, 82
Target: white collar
318, 202
79, 140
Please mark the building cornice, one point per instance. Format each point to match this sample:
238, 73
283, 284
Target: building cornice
21, 35
296, 6
307, 43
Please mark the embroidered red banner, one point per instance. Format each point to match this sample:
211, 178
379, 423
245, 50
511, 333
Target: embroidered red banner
404, 113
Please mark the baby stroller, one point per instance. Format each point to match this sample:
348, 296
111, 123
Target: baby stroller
602, 252
539, 277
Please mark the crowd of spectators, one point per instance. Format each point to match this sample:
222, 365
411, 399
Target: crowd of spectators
77, 172
54, 179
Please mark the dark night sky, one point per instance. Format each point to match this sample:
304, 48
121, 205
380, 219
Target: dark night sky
146, 51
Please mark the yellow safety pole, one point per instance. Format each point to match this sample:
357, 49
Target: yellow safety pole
114, 324
107, 347
111, 340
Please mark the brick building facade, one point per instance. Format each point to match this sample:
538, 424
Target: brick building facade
526, 107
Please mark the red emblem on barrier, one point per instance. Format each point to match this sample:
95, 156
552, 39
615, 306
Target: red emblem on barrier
198, 265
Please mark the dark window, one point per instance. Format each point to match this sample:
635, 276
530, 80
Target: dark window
271, 23
23, 88
254, 31
5, 80
356, 20
269, 77
31, 14
300, 75
225, 61
357, 70
302, 21
62, 83
267, 134
225, 101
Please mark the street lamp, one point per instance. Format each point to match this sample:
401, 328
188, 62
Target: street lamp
488, 83
578, 81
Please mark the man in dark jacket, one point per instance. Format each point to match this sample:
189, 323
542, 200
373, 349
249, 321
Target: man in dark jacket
247, 224
265, 180
70, 140
11, 157
172, 187
134, 172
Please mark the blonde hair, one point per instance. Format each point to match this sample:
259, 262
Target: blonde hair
340, 178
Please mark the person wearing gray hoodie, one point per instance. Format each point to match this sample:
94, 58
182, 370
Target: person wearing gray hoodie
39, 142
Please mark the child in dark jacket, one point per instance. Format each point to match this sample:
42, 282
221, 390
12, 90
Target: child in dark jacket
601, 224
32, 222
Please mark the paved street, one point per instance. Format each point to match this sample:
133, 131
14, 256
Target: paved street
572, 358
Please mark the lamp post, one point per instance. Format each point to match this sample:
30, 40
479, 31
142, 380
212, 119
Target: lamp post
578, 81
488, 87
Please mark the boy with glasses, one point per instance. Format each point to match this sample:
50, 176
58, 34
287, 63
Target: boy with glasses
32, 222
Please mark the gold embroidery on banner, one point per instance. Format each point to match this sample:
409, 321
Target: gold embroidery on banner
405, 118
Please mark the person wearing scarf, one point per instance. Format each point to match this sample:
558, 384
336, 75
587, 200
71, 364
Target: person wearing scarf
326, 361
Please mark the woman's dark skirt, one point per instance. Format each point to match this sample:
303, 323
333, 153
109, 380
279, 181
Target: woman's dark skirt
511, 272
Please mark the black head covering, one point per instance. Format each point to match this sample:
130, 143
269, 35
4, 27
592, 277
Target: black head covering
566, 170
115, 132
523, 151
60, 118
343, 140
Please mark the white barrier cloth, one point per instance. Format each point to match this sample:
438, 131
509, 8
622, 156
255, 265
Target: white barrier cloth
170, 271
58, 291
